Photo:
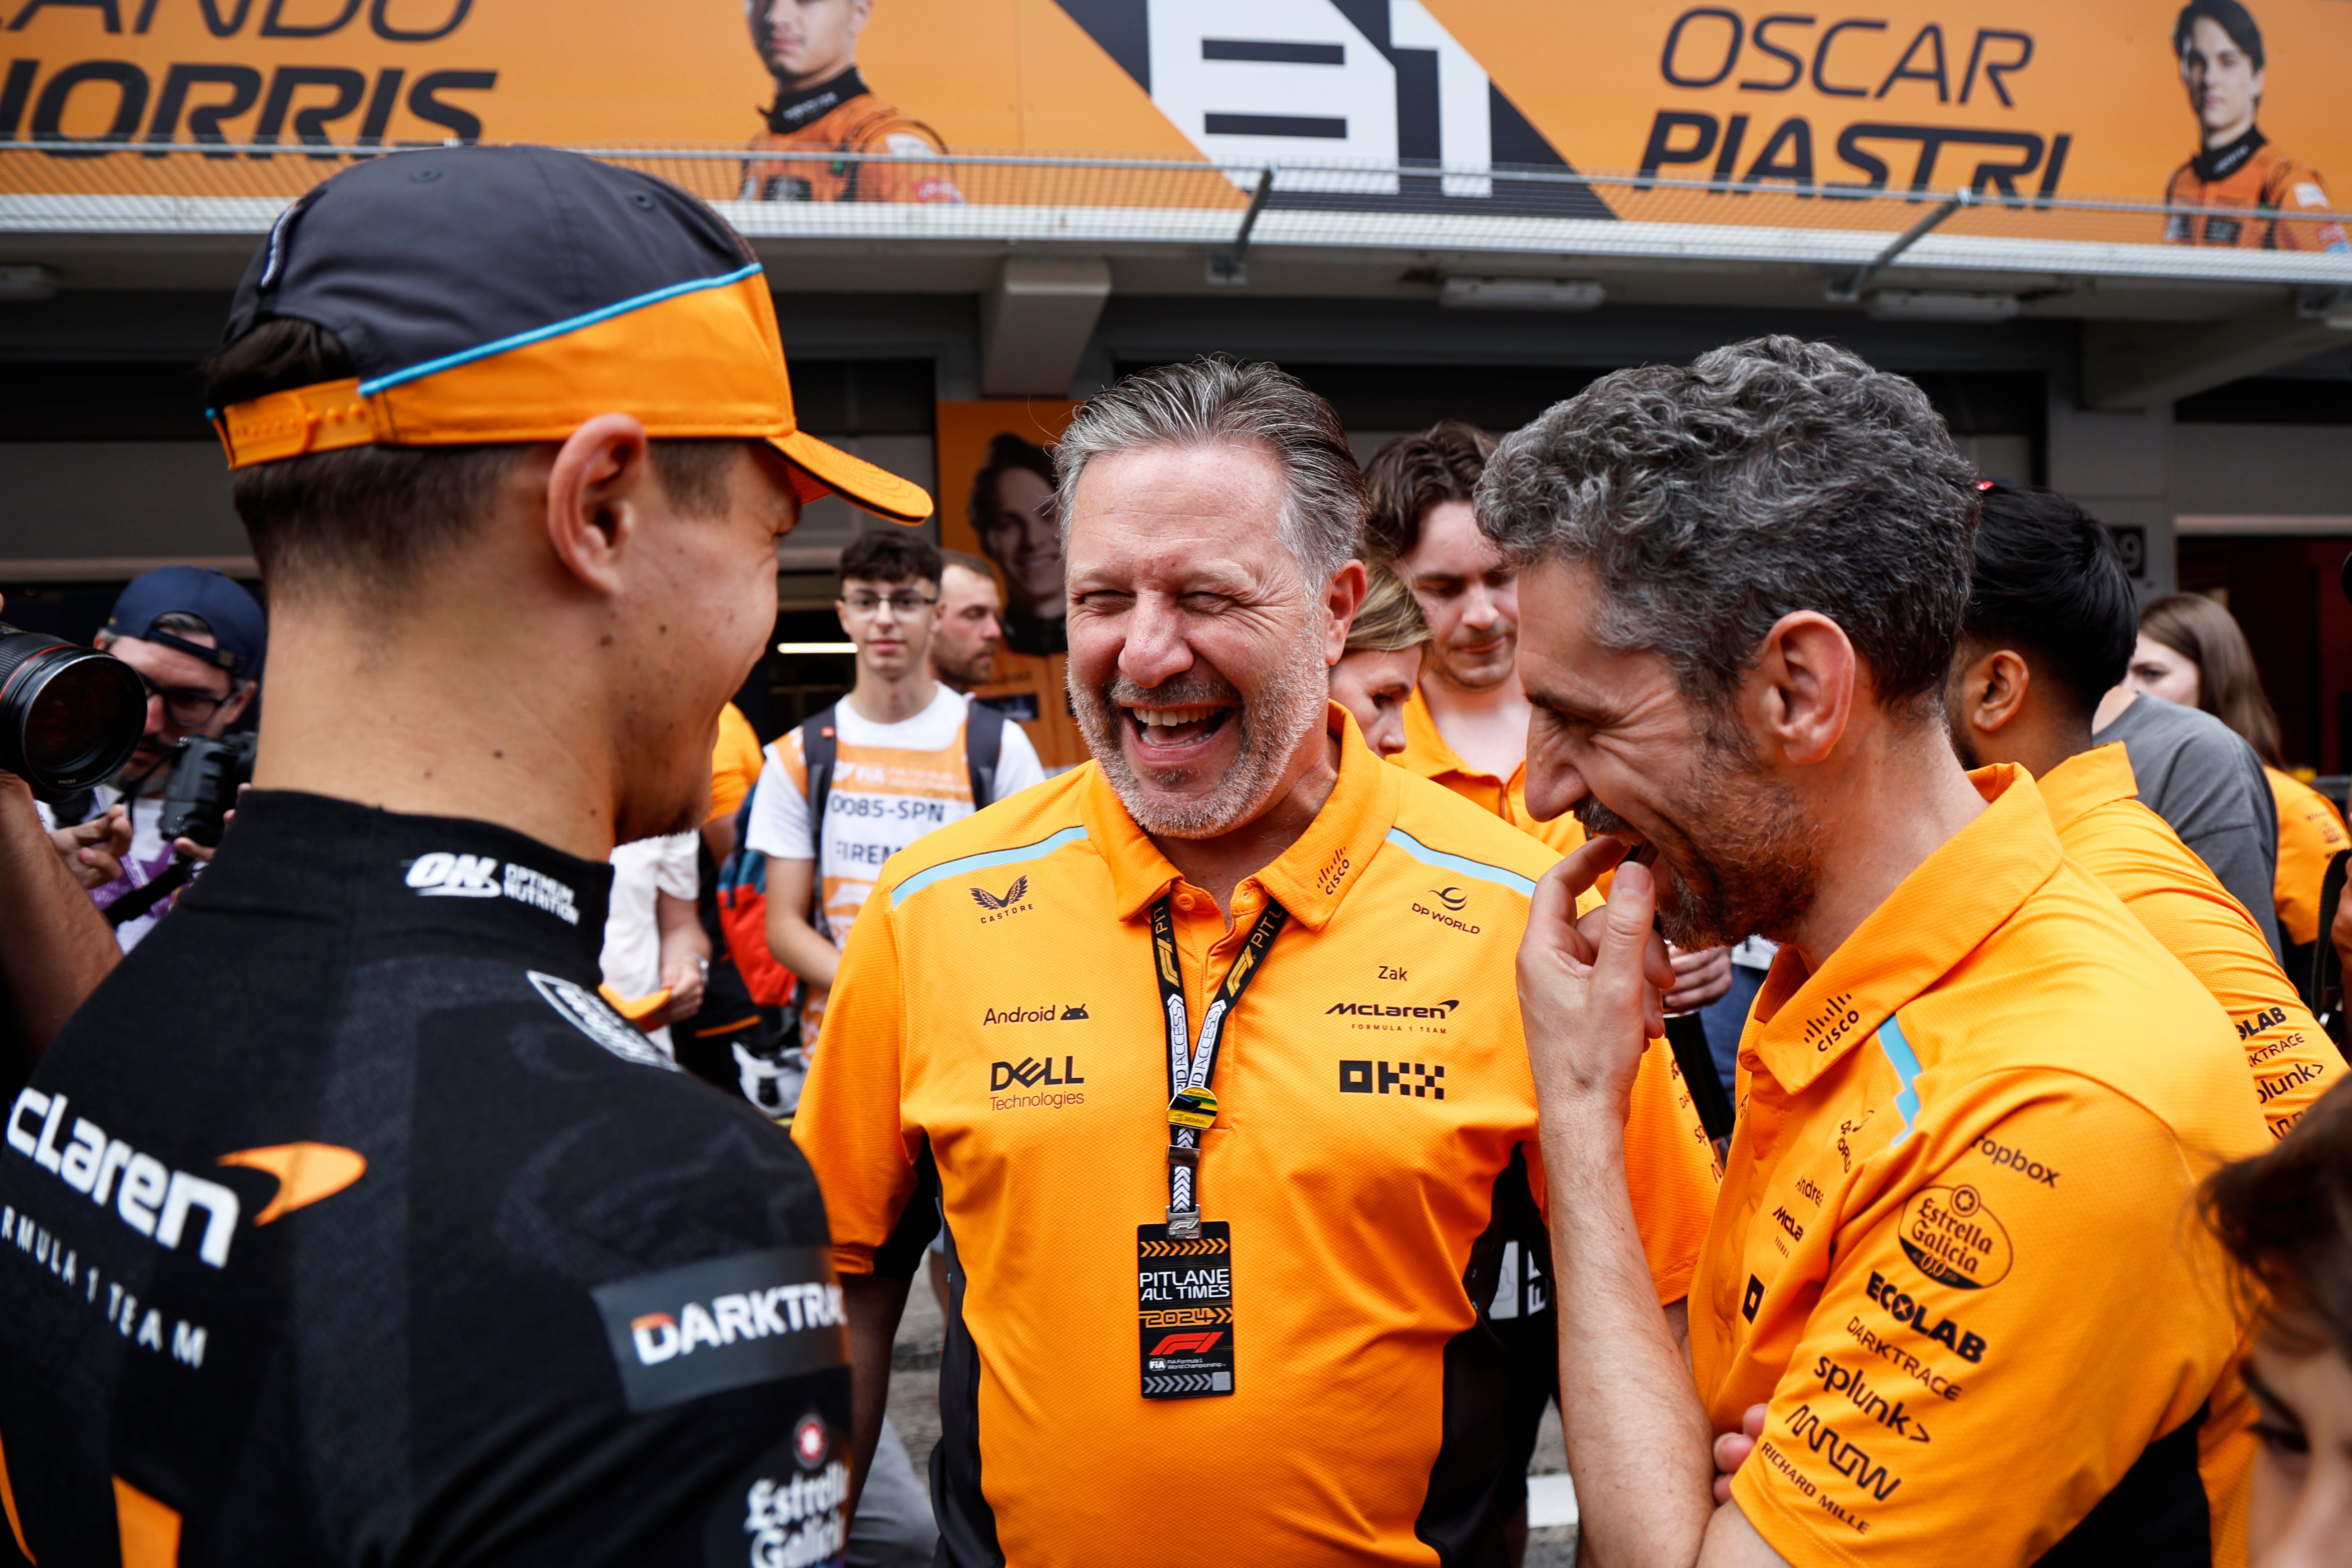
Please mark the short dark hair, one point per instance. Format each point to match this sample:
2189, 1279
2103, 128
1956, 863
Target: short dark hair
1764, 478
375, 517
2286, 1217
2231, 17
892, 554
1410, 474
2049, 584
1006, 452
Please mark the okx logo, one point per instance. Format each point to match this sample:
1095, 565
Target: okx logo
1410, 1080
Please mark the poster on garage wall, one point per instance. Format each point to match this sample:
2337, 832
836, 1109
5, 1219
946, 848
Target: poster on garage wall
2227, 103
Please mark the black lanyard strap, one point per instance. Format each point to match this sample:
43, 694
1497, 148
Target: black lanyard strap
1192, 1067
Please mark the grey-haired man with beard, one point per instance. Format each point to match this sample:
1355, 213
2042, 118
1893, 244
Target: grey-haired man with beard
1969, 1074
1209, 1053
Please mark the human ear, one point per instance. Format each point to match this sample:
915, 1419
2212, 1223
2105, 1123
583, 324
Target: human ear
1806, 674
600, 490
1342, 597
1996, 685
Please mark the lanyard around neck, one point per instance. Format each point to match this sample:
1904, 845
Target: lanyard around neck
1191, 1103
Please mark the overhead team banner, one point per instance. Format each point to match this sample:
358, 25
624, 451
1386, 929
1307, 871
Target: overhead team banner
2222, 103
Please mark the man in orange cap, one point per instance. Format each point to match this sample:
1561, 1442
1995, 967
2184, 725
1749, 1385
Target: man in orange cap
355, 1225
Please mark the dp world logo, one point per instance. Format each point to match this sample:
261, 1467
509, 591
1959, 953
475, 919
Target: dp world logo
1452, 898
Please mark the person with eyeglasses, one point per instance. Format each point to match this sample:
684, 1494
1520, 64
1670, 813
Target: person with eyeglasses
901, 766
197, 640
902, 755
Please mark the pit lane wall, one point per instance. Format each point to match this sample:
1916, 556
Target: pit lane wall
2024, 102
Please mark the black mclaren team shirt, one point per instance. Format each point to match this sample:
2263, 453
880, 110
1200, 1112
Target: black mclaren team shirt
346, 1225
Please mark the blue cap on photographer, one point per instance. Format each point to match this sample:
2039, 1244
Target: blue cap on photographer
241, 635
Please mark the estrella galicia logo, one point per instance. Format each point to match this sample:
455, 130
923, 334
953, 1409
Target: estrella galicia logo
1030, 1073
1410, 1080
728, 1322
997, 906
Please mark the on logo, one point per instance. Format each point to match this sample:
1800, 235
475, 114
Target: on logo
445, 876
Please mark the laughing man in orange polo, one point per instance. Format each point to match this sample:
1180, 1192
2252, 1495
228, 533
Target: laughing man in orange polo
1211, 1051
1744, 583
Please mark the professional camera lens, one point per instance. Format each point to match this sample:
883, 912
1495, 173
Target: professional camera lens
68, 716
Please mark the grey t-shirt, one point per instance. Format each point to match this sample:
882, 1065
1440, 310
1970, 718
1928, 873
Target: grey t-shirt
2199, 775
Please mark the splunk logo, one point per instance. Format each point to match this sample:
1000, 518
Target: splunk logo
739, 1315
441, 875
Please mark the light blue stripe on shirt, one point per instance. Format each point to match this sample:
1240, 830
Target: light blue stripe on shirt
1422, 852
969, 864
1906, 1063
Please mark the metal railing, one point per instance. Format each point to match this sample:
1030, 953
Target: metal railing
1097, 201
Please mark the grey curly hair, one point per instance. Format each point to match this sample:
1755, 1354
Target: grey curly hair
1767, 476
1216, 398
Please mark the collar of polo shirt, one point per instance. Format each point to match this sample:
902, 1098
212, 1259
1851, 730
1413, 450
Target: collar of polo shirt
1935, 917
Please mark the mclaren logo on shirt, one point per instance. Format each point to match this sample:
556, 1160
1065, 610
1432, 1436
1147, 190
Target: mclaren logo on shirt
727, 1323
441, 875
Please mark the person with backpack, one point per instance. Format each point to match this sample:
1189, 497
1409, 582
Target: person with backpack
900, 757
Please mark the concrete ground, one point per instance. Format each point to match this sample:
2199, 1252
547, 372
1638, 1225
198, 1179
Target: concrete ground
914, 1411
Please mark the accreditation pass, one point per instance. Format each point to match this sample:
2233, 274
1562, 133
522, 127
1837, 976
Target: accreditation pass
1184, 1311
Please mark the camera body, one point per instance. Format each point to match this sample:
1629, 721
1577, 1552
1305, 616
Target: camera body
207, 774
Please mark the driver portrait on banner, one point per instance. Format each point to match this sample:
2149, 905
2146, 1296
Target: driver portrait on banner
2248, 184
823, 108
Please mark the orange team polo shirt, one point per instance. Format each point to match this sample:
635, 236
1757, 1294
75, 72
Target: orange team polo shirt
2311, 831
1427, 754
2094, 802
1957, 1249
735, 763
1376, 1123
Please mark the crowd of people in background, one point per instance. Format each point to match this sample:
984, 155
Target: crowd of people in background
1352, 831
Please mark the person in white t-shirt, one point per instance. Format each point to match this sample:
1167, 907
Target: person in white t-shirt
656, 954
900, 767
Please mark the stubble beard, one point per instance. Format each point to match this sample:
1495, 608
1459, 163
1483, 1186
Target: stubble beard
1758, 874
1289, 707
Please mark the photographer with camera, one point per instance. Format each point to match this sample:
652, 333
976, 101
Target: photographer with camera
196, 641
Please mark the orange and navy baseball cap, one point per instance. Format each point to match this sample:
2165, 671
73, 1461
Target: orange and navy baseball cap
507, 294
